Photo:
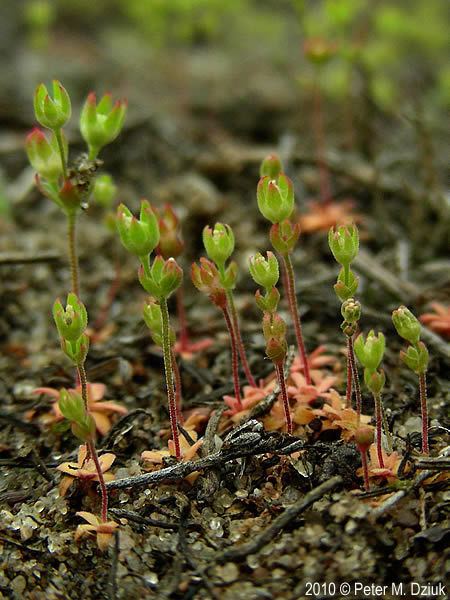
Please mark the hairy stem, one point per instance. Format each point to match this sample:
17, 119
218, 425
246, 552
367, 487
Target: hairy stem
101, 480
282, 383
365, 469
168, 370
379, 426
178, 396
290, 292
355, 378
424, 409
234, 356
239, 342
73, 257
82, 378
59, 141
348, 391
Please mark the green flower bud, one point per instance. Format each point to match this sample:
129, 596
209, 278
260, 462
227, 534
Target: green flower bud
344, 243
364, 437
264, 271
416, 358
76, 350
139, 236
52, 113
104, 190
343, 291
370, 352
44, 154
268, 302
276, 350
219, 243
374, 380
351, 310
283, 236
206, 279
153, 320
71, 322
162, 279
84, 430
71, 405
101, 123
406, 324
271, 167
275, 198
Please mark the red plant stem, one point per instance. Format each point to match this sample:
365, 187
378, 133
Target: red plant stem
348, 392
234, 356
355, 378
93, 452
424, 409
365, 469
239, 342
106, 307
319, 135
183, 335
282, 384
73, 258
290, 292
379, 425
178, 395
168, 371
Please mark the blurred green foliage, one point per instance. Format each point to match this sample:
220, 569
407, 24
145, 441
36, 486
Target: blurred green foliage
400, 44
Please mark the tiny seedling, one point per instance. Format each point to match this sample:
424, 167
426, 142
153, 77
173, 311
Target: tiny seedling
415, 358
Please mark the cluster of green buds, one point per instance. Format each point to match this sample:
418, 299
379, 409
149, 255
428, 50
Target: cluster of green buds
101, 123
170, 241
72, 407
71, 323
351, 311
154, 321
344, 244
274, 330
408, 327
265, 272
370, 354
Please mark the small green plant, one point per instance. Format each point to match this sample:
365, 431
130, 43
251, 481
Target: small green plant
219, 246
265, 272
160, 280
275, 197
207, 279
71, 322
415, 358
370, 354
344, 245
69, 185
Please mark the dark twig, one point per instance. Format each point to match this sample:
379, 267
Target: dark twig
395, 498
140, 520
278, 524
273, 442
